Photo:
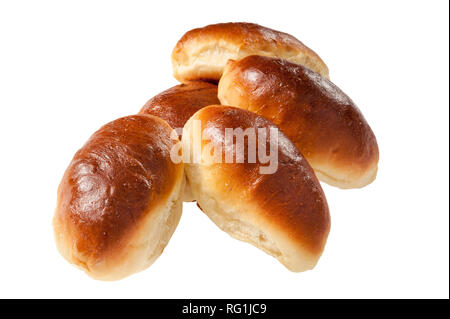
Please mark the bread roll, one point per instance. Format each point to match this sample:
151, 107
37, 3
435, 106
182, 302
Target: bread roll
284, 213
315, 114
201, 54
120, 198
177, 104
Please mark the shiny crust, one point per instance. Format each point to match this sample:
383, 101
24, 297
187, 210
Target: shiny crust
177, 104
115, 189
201, 54
286, 210
318, 117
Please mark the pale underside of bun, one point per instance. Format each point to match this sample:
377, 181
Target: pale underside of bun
337, 179
233, 220
269, 212
188, 196
145, 245
201, 54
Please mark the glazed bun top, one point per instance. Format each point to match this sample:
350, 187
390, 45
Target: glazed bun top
177, 104
287, 203
202, 53
122, 174
315, 114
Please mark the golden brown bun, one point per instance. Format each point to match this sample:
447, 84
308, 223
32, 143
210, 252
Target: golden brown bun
120, 198
201, 54
285, 213
315, 114
177, 104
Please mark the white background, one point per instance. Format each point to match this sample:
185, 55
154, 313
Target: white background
68, 68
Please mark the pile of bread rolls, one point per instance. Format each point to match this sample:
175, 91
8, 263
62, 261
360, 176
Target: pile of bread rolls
120, 199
